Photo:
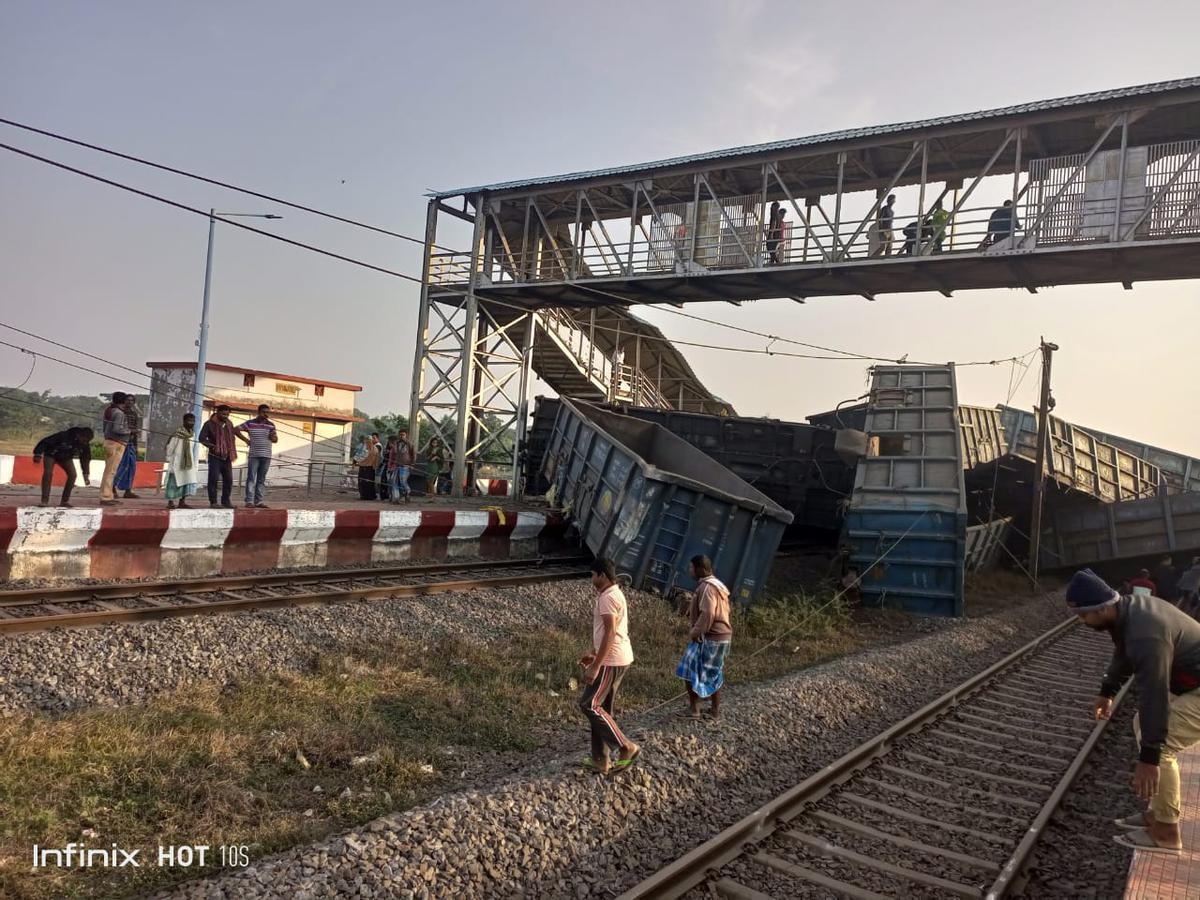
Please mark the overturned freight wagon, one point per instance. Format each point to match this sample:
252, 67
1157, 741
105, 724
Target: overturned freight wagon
1101, 533
802, 467
650, 501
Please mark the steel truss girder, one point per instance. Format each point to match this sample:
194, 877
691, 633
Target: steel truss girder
471, 363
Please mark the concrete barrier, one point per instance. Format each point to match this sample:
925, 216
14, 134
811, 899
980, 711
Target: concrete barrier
53, 543
23, 470
194, 545
65, 544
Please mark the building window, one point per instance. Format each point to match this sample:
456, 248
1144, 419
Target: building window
248, 380
319, 390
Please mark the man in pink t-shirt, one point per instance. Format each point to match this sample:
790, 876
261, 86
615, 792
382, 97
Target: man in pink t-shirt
604, 668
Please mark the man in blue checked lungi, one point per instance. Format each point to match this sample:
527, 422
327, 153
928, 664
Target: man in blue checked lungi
703, 663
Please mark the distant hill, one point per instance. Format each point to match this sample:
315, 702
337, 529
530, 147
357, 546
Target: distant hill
28, 416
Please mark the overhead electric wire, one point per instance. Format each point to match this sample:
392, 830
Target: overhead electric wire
110, 362
150, 390
843, 354
28, 375
201, 212
777, 338
763, 351
221, 184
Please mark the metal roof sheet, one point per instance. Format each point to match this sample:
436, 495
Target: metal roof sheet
1140, 90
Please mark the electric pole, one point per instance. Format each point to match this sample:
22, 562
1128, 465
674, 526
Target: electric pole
1039, 479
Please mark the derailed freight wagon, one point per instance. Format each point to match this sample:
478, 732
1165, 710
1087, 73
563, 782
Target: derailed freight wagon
906, 529
801, 467
650, 501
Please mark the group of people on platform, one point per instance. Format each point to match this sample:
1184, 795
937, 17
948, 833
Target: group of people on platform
121, 424
121, 429
384, 468
701, 668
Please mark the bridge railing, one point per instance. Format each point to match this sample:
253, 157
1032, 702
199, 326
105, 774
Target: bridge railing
1148, 193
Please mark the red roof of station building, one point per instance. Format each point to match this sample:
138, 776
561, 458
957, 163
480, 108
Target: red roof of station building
318, 414
221, 367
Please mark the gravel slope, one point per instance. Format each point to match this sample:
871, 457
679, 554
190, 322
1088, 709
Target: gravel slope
58, 671
553, 831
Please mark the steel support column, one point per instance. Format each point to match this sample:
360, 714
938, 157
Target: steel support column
1116, 226
422, 343
522, 424
466, 378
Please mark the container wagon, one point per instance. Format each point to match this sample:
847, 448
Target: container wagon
650, 501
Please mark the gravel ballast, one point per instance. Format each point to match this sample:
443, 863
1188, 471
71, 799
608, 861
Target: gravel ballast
69, 669
1076, 856
550, 830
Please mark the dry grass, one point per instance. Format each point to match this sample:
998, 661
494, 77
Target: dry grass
241, 765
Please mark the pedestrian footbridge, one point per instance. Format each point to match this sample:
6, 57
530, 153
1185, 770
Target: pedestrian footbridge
1105, 188
1099, 187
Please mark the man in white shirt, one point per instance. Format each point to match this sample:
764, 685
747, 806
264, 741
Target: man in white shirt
604, 667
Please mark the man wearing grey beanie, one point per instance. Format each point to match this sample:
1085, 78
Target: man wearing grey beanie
1159, 645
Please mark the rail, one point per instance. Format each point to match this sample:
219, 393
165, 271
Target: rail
38, 609
975, 724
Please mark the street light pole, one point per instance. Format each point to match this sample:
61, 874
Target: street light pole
202, 357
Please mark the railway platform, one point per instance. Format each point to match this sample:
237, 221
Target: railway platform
1159, 876
141, 538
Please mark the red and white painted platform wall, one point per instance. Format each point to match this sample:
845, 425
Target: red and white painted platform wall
73, 543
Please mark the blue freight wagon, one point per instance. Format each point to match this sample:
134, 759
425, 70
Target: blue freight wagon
798, 466
650, 501
906, 528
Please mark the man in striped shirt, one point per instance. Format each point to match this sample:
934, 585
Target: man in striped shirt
260, 433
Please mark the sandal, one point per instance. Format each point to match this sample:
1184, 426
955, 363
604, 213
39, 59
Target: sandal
691, 716
627, 763
590, 765
1131, 823
1141, 840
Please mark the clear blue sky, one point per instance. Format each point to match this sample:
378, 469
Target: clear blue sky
359, 108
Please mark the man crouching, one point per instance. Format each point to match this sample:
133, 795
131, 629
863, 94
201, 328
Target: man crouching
1161, 647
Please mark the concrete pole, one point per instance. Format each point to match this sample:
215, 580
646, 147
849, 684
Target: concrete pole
1039, 478
202, 358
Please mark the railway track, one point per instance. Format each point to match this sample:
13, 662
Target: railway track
37, 609
948, 803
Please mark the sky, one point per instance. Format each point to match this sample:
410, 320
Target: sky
361, 108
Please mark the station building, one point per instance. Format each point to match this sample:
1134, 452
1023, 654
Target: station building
314, 416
